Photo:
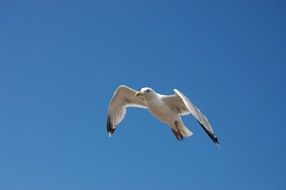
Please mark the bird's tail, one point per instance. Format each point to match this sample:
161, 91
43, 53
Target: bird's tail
186, 132
183, 129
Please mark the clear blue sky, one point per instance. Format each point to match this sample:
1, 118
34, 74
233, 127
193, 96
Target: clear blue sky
60, 62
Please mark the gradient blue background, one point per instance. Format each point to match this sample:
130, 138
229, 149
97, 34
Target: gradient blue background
60, 62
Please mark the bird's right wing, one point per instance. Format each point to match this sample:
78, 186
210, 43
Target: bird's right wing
180, 104
203, 121
123, 97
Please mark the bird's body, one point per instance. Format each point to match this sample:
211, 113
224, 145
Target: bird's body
160, 110
166, 108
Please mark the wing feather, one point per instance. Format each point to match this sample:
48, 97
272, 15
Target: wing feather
123, 97
180, 104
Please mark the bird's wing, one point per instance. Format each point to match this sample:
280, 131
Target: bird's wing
180, 104
123, 97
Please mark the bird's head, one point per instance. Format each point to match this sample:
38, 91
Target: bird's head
146, 93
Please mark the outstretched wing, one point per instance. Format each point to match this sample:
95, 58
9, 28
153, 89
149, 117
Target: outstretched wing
123, 97
180, 104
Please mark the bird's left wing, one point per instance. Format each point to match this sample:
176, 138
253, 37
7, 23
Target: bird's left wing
123, 97
180, 104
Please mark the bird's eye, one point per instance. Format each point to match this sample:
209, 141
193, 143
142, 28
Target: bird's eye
148, 90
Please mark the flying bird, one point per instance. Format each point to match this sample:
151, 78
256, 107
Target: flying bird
167, 108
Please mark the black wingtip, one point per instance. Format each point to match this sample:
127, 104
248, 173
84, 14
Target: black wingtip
212, 136
109, 127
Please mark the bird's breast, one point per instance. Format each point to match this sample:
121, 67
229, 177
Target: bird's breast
161, 111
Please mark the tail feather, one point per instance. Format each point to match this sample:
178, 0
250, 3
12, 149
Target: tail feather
183, 129
186, 132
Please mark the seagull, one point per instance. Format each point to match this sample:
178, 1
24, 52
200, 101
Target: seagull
166, 108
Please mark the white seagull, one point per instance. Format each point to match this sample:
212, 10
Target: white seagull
167, 108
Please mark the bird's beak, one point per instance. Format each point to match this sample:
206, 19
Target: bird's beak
139, 94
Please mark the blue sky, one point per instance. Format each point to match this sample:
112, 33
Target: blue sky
60, 62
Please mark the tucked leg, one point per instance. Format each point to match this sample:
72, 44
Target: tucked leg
178, 136
177, 132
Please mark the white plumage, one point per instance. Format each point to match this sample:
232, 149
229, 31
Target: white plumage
167, 108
